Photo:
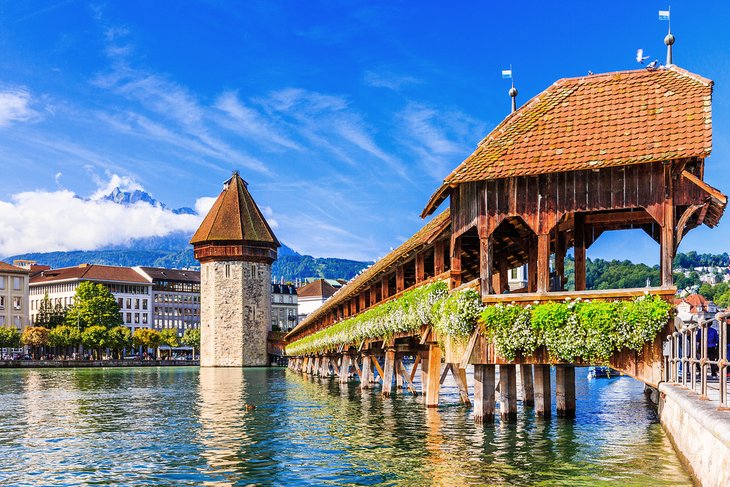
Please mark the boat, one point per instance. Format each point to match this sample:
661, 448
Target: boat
601, 373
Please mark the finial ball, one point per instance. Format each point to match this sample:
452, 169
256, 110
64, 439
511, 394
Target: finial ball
513, 92
669, 40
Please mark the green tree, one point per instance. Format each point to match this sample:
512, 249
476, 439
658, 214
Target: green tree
706, 290
9, 337
64, 337
168, 337
50, 315
119, 338
94, 305
191, 338
723, 300
147, 338
36, 337
95, 338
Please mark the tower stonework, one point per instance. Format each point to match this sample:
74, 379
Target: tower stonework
235, 247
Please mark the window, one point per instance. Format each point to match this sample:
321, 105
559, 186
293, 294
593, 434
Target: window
136, 304
228, 270
2, 282
17, 281
2, 302
17, 302
136, 318
129, 303
513, 274
2, 320
129, 318
120, 302
144, 318
144, 304
17, 321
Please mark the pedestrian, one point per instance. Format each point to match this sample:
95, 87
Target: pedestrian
713, 349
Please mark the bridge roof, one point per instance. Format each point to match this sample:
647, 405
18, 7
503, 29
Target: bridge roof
604, 120
427, 234
235, 217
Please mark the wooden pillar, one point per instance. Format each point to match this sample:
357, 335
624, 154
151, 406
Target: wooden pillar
388, 371
373, 295
508, 392
362, 301
460, 376
344, 368
667, 236
398, 376
483, 393
367, 371
316, 365
456, 263
503, 276
528, 394
565, 390
439, 263
543, 263
543, 400
420, 267
532, 265
486, 261
434, 375
560, 259
424, 371
384, 288
579, 251
400, 279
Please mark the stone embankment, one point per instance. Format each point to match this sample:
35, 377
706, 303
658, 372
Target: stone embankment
51, 364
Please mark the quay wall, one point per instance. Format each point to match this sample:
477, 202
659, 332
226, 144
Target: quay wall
700, 434
51, 364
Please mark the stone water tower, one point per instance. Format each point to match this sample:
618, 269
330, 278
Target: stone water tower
235, 247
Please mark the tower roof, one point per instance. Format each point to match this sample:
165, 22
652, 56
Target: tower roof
235, 217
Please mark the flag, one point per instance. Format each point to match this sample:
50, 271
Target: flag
664, 15
507, 73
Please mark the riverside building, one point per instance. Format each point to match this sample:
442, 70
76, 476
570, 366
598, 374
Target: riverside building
284, 303
175, 298
14, 303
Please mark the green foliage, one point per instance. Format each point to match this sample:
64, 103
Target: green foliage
168, 337
723, 300
146, 337
94, 337
406, 314
35, 336
693, 259
94, 305
587, 330
456, 314
64, 336
191, 338
50, 315
9, 337
118, 337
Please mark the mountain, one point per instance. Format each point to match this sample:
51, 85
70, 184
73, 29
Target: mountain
174, 251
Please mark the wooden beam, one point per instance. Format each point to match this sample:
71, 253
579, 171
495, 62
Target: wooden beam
404, 374
377, 367
528, 393
433, 376
579, 251
439, 263
543, 400
667, 242
384, 288
508, 392
532, 264
389, 372
344, 369
565, 390
367, 371
560, 260
460, 376
414, 368
400, 280
373, 295
486, 262
420, 267
424, 370
543, 263
483, 393
456, 263
618, 217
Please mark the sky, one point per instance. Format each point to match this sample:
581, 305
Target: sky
343, 117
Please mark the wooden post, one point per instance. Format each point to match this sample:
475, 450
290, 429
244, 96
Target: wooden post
543, 400
420, 267
456, 263
367, 371
565, 390
439, 263
543, 263
579, 251
532, 265
344, 368
362, 301
398, 377
503, 276
373, 295
486, 260
528, 394
384, 288
424, 371
460, 376
508, 392
483, 393
434, 375
560, 259
388, 372
667, 236
400, 279
316, 365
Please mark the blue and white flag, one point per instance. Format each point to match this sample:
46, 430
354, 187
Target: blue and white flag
664, 15
507, 73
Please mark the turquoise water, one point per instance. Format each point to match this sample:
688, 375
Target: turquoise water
190, 426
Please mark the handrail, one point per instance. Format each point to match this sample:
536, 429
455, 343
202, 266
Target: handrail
620, 294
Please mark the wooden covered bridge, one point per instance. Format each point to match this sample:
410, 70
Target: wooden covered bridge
588, 155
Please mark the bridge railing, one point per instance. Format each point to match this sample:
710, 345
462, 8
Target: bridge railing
689, 360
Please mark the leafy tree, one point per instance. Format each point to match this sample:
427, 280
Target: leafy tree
35, 337
118, 338
9, 337
94, 305
95, 338
191, 338
64, 337
706, 290
723, 300
147, 338
168, 337
50, 315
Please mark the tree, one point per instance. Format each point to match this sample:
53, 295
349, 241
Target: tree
35, 337
723, 300
64, 337
168, 337
9, 337
191, 338
94, 305
118, 338
95, 338
50, 315
147, 338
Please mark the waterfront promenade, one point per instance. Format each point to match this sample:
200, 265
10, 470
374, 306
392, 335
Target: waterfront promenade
51, 364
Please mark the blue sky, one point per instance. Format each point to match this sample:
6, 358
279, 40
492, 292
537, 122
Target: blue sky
343, 116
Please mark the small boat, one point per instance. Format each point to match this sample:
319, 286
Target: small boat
600, 373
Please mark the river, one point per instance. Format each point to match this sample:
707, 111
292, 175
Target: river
190, 426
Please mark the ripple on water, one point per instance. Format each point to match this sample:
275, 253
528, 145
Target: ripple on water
189, 426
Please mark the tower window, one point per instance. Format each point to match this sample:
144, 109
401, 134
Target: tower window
228, 270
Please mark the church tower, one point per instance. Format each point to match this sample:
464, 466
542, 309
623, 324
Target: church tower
235, 247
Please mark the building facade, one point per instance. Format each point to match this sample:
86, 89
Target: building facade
175, 298
284, 305
311, 296
14, 296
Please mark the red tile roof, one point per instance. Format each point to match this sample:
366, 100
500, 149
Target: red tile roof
5, 267
90, 272
605, 120
234, 217
694, 300
318, 288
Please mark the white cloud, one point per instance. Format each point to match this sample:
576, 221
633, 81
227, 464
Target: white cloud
124, 183
42, 221
388, 80
15, 107
270, 219
204, 204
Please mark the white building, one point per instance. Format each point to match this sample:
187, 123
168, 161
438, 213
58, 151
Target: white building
693, 308
175, 298
284, 307
312, 295
14, 302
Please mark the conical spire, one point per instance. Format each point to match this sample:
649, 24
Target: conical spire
235, 218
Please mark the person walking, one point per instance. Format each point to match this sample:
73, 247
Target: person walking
713, 340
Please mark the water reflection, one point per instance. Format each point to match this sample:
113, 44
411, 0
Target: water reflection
192, 427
